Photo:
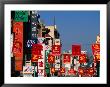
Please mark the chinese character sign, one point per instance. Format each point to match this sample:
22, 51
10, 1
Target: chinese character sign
76, 50
56, 49
21, 16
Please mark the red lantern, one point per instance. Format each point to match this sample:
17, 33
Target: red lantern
76, 50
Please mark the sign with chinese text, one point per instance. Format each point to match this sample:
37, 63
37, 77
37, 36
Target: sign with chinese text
18, 40
56, 49
95, 48
21, 16
82, 58
66, 58
51, 58
76, 50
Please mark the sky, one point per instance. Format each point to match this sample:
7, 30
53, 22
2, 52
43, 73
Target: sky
75, 27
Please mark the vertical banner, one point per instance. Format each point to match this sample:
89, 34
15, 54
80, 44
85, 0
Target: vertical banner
21, 16
96, 52
18, 44
76, 50
41, 62
95, 48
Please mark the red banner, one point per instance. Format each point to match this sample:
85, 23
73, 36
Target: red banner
52, 70
36, 49
56, 49
51, 58
18, 40
62, 70
82, 58
76, 50
95, 48
66, 58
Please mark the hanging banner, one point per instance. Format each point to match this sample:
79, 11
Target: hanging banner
82, 58
95, 48
66, 58
51, 58
18, 40
56, 49
76, 50
21, 16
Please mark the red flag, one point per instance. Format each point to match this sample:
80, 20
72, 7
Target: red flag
62, 70
56, 49
76, 50
82, 58
66, 58
52, 70
51, 58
